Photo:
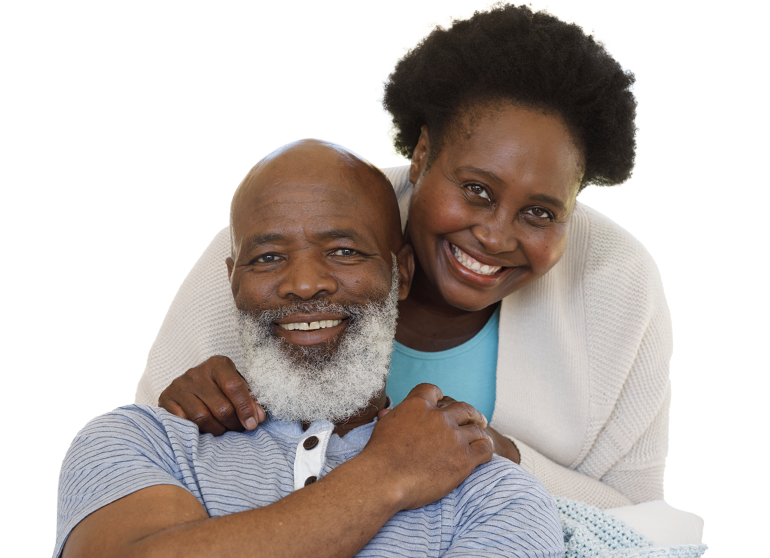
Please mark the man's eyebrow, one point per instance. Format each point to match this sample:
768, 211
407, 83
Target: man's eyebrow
338, 233
329, 234
266, 238
534, 197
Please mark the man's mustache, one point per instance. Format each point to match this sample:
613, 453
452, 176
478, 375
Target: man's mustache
268, 315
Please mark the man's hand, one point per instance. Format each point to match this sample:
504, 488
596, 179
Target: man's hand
426, 448
214, 396
503, 446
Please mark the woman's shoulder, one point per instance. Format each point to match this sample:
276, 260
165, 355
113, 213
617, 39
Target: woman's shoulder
399, 179
598, 245
617, 277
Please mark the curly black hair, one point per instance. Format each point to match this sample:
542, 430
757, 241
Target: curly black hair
531, 59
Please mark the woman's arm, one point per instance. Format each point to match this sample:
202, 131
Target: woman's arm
200, 323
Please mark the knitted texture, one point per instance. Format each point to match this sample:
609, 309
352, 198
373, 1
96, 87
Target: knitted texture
582, 375
591, 533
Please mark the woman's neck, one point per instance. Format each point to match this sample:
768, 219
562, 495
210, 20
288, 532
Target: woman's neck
428, 323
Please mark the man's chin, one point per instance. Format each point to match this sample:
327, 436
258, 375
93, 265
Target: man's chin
310, 357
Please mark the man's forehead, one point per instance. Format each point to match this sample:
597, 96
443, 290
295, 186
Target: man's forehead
319, 184
317, 211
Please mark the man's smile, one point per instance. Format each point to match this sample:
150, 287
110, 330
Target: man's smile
309, 326
310, 329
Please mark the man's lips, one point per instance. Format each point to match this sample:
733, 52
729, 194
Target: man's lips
310, 329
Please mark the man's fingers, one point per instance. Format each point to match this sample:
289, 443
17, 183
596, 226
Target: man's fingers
445, 401
464, 413
482, 449
427, 391
174, 408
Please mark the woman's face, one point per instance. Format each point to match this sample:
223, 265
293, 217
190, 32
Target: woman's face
490, 214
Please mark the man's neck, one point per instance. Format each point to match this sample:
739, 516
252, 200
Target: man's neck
367, 415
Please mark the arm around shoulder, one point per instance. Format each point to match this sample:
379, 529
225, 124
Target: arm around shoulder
200, 323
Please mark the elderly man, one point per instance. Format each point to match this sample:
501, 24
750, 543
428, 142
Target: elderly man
317, 268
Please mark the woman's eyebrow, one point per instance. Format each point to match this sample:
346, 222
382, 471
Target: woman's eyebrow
488, 174
548, 199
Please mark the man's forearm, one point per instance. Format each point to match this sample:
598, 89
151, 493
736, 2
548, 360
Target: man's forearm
335, 516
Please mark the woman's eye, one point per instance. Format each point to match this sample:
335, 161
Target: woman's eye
478, 190
344, 252
540, 213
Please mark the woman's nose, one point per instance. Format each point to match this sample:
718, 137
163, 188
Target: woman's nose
496, 235
305, 278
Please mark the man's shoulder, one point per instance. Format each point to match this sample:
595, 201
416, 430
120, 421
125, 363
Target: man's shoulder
504, 476
136, 417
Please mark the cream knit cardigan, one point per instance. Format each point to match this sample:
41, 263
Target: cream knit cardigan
582, 368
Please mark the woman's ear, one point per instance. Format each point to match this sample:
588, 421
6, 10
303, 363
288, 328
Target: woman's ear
419, 156
405, 259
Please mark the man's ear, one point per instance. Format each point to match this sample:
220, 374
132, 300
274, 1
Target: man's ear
230, 264
405, 259
419, 156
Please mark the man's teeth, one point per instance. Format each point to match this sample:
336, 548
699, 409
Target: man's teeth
309, 326
473, 264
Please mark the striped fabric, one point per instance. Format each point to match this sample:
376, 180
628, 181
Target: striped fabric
500, 510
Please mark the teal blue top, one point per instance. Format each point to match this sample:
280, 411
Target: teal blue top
466, 373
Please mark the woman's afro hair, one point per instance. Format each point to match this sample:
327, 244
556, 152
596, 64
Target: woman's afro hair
530, 59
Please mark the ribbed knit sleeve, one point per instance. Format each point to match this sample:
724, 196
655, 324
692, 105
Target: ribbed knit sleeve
200, 324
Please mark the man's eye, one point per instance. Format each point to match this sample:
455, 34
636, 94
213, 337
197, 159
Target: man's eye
478, 190
344, 252
267, 258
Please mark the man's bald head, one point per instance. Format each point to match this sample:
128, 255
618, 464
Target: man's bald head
325, 171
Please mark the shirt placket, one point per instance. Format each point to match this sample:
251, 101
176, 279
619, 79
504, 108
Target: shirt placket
310, 458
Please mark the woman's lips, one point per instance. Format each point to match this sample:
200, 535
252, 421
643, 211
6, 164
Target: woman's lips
469, 262
461, 264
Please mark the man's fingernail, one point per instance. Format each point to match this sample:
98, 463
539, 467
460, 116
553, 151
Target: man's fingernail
251, 423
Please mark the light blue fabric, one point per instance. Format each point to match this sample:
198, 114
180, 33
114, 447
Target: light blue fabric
591, 533
466, 373
499, 510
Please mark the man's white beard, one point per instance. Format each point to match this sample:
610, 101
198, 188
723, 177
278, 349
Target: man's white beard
329, 381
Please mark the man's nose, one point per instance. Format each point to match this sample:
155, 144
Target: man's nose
305, 277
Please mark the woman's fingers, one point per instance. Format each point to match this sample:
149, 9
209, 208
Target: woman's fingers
236, 391
214, 396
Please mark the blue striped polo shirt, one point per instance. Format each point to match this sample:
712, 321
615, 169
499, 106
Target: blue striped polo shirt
499, 510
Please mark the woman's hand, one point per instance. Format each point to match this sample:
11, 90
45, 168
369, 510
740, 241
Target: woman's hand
503, 446
214, 396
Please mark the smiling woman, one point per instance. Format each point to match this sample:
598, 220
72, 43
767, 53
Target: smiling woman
540, 312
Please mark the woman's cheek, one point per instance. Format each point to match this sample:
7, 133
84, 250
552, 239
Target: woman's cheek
546, 250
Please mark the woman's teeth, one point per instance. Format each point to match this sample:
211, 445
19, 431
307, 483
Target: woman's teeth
473, 264
309, 326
